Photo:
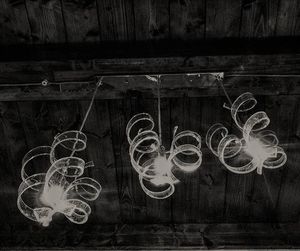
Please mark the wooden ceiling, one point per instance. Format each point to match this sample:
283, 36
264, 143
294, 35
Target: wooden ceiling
70, 43
70, 21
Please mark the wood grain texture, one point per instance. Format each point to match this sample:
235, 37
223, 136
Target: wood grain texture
100, 151
222, 18
132, 199
187, 19
14, 24
46, 21
151, 19
81, 19
288, 23
116, 88
159, 211
259, 18
288, 203
116, 20
157, 237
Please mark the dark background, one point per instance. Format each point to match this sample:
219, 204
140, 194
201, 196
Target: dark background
69, 43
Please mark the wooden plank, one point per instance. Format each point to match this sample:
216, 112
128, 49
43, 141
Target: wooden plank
259, 18
80, 70
159, 211
151, 19
204, 189
265, 197
13, 149
46, 21
131, 197
150, 49
288, 202
100, 151
183, 195
158, 237
116, 20
117, 87
204, 113
288, 18
14, 24
187, 19
81, 20
222, 18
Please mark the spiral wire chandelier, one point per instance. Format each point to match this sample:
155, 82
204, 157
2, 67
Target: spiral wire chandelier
155, 165
62, 187
257, 149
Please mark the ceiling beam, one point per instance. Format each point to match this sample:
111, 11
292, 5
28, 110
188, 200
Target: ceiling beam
156, 236
260, 62
141, 87
150, 49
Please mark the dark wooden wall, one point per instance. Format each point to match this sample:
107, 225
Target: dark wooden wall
69, 21
256, 44
204, 205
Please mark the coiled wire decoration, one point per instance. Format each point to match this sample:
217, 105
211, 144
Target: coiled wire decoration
62, 187
152, 162
257, 149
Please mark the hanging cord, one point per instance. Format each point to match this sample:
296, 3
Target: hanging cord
158, 108
99, 83
220, 81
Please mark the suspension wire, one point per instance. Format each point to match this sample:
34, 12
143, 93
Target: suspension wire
99, 83
91, 104
158, 108
220, 81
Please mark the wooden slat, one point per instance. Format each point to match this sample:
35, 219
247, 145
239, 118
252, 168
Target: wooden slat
157, 237
116, 20
212, 176
259, 18
151, 19
288, 23
187, 19
100, 150
266, 191
183, 195
222, 18
131, 197
13, 149
14, 25
159, 211
150, 49
288, 202
116, 88
81, 19
46, 21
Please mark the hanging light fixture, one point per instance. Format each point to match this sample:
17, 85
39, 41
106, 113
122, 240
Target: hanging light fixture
61, 188
151, 161
257, 149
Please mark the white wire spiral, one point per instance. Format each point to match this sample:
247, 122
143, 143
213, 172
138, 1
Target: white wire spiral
155, 165
257, 149
61, 189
